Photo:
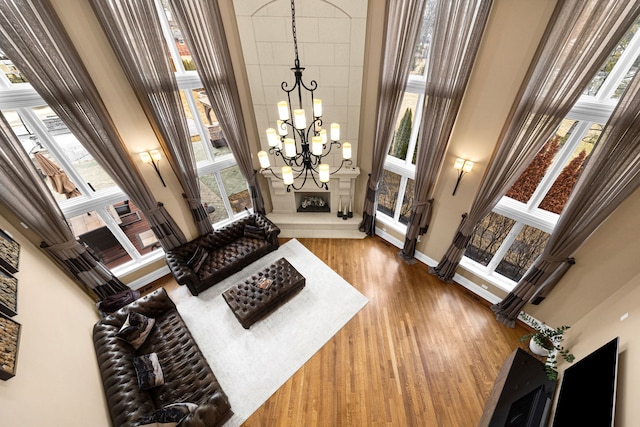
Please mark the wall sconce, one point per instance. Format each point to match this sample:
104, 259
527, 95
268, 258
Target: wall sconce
462, 166
153, 157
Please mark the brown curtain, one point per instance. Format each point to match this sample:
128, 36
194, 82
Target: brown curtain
35, 40
401, 32
133, 28
578, 39
456, 38
25, 194
204, 33
611, 174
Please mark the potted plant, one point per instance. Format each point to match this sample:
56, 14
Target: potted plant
546, 341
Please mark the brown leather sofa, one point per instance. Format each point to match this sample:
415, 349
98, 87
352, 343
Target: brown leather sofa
187, 375
229, 249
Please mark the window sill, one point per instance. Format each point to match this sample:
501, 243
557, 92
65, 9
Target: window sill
495, 279
132, 266
387, 221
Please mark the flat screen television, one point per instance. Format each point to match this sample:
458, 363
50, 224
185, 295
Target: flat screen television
588, 391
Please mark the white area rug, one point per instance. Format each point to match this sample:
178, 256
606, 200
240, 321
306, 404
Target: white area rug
252, 364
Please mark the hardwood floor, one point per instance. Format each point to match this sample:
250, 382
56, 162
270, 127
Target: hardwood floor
420, 353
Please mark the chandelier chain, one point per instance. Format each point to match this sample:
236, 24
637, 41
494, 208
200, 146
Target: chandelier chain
293, 30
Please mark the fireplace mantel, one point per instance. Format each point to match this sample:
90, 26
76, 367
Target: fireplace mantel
315, 224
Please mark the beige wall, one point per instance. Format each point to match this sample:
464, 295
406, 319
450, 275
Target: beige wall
601, 325
57, 381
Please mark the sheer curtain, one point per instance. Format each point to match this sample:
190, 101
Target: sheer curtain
456, 38
578, 39
204, 33
611, 174
401, 32
35, 40
26, 195
133, 29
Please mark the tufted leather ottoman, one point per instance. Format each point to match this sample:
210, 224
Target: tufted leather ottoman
263, 292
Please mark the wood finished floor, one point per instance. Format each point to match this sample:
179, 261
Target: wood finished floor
420, 353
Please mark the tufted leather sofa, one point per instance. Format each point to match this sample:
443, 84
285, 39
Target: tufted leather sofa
187, 375
230, 249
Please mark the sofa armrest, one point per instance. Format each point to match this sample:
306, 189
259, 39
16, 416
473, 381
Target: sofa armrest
183, 274
271, 230
153, 305
214, 412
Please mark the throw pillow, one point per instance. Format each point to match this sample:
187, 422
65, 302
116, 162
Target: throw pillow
253, 231
148, 371
197, 259
136, 329
169, 416
115, 302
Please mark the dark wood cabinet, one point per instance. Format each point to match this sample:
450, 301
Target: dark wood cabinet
521, 395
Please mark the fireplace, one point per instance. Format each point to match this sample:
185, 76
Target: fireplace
316, 221
319, 201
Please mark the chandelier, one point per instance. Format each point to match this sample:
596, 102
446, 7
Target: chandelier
302, 146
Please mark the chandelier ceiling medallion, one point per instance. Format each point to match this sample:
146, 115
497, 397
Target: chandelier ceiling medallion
302, 147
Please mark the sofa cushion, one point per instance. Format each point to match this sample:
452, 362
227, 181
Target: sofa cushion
169, 416
136, 329
148, 371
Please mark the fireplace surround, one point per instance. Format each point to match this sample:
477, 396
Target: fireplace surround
294, 223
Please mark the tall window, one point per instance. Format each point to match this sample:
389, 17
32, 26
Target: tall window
395, 193
97, 210
222, 187
508, 240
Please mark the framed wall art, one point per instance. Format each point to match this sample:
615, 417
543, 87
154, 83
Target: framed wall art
8, 294
9, 253
9, 340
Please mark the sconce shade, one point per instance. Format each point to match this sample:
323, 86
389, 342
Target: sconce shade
467, 166
458, 164
155, 155
145, 157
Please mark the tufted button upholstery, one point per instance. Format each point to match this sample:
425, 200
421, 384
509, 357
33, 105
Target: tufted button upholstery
187, 375
229, 252
251, 303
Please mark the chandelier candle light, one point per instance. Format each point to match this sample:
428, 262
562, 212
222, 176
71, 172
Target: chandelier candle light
301, 146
